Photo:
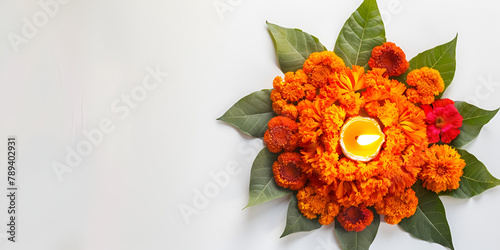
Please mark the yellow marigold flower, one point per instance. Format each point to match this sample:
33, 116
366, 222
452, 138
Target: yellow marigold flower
427, 82
390, 57
320, 65
287, 171
281, 134
355, 218
388, 114
397, 207
442, 169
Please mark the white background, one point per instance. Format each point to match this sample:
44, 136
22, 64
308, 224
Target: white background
127, 192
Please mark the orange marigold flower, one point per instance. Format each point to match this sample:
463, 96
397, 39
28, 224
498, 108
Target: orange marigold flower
411, 120
442, 169
347, 193
291, 88
352, 102
314, 200
395, 140
320, 65
355, 218
373, 190
290, 111
388, 114
372, 108
397, 207
310, 91
401, 176
287, 171
350, 80
347, 169
427, 82
390, 57
331, 210
376, 77
281, 134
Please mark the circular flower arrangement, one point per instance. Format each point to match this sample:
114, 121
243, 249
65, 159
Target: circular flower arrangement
314, 103
357, 141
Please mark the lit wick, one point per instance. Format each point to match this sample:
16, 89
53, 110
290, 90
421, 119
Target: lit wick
366, 139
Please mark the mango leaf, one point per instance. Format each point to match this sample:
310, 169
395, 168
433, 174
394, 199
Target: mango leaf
293, 46
251, 113
474, 119
360, 34
475, 180
429, 221
262, 185
358, 240
295, 221
440, 58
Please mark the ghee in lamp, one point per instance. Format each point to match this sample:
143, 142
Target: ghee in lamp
361, 138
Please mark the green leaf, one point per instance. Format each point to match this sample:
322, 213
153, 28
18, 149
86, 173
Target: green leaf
358, 240
474, 119
440, 58
295, 221
251, 113
293, 46
475, 180
262, 185
361, 33
429, 221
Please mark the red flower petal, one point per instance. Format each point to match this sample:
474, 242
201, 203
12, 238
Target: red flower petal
442, 102
450, 134
433, 133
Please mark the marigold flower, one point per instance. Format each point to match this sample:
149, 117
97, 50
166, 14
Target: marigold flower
443, 121
442, 169
395, 140
390, 57
388, 114
290, 111
401, 176
352, 102
347, 169
376, 77
350, 80
287, 171
397, 207
427, 82
355, 218
281, 134
314, 200
373, 190
411, 120
320, 65
291, 89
